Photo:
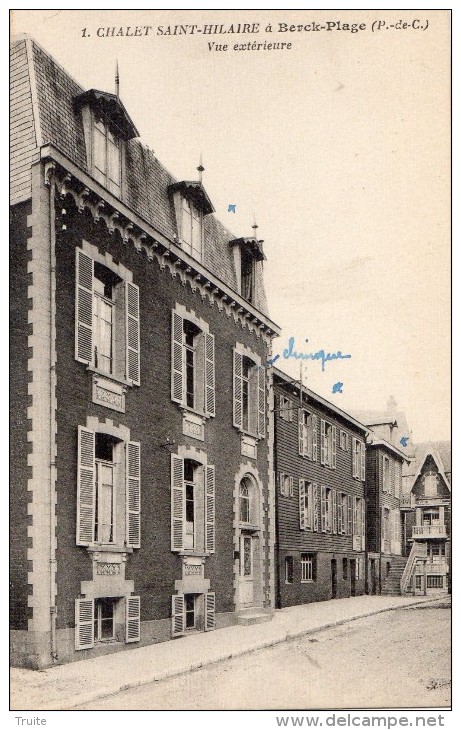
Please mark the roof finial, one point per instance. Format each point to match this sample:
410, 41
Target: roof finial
117, 80
200, 168
255, 227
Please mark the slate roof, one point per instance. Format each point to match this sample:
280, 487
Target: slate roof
440, 448
147, 180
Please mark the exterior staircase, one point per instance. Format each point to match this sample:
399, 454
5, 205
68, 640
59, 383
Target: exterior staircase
391, 586
254, 615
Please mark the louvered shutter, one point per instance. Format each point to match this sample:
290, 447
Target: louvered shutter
238, 394
210, 407
354, 515
261, 375
282, 483
210, 509
178, 615
133, 494
349, 514
133, 619
86, 487
340, 513
334, 446
315, 522
322, 441
383, 529
314, 421
335, 512
84, 307
354, 458
132, 333
300, 432
84, 623
177, 503
362, 501
302, 505
362, 461
177, 358
210, 616
323, 509
292, 491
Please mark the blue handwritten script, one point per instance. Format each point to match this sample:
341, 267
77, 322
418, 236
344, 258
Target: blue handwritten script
231, 208
337, 388
404, 440
319, 355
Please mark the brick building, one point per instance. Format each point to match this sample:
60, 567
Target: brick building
141, 465
320, 497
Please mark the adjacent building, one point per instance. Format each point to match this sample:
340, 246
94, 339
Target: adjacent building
320, 497
141, 448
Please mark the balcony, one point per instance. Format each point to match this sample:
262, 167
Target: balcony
428, 532
432, 568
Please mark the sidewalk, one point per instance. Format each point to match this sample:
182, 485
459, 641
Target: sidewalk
68, 685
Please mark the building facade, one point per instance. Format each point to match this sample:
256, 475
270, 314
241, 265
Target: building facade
320, 497
141, 460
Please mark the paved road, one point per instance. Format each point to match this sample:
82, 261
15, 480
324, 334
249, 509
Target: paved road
396, 659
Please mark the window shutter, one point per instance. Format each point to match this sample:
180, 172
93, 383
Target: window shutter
335, 512
362, 461
315, 522
323, 509
354, 458
238, 395
84, 623
340, 513
302, 505
133, 494
261, 375
383, 530
132, 333
177, 359
178, 615
349, 514
282, 483
310, 503
354, 515
210, 407
210, 509
362, 501
314, 436
132, 619
84, 307
86, 488
177, 503
291, 487
322, 441
210, 605
333, 453
300, 431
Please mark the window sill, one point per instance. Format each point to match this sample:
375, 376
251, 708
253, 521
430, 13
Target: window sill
193, 554
105, 548
194, 412
308, 581
109, 376
249, 526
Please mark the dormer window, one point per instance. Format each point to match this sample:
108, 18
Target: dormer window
247, 253
247, 275
191, 205
107, 157
191, 229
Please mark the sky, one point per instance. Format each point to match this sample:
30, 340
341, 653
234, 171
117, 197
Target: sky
339, 145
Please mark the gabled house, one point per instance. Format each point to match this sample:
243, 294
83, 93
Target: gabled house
141, 447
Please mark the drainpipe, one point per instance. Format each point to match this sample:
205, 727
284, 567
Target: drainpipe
52, 480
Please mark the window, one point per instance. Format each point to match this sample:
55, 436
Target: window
286, 485
306, 504
289, 569
106, 157
328, 444
431, 517
386, 474
192, 505
386, 527
247, 271
358, 459
285, 409
307, 432
343, 440
193, 370
249, 393
307, 567
342, 527
397, 479
96, 620
345, 573
107, 320
436, 552
244, 499
358, 524
435, 581
191, 229
103, 619
327, 502
108, 484
430, 484
189, 610
359, 569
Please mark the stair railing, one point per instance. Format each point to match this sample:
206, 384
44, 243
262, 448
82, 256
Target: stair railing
418, 550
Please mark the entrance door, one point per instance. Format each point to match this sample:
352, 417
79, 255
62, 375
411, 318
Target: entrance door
352, 572
334, 578
373, 577
246, 570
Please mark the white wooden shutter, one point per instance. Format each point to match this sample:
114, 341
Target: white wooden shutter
84, 623
210, 398
210, 607
322, 441
362, 501
210, 509
86, 487
340, 513
335, 512
300, 432
292, 491
261, 375
335, 442
354, 516
132, 333
177, 358
302, 505
178, 615
314, 421
177, 503
133, 494
323, 509
282, 483
362, 461
132, 619
238, 394
354, 458
84, 307
349, 514
315, 521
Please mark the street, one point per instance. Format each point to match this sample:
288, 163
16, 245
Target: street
399, 658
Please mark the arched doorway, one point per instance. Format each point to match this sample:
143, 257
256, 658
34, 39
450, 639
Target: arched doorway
249, 577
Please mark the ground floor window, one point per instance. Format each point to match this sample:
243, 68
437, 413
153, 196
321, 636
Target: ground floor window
307, 567
104, 619
435, 581
418, 582
189, 610
289, 569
